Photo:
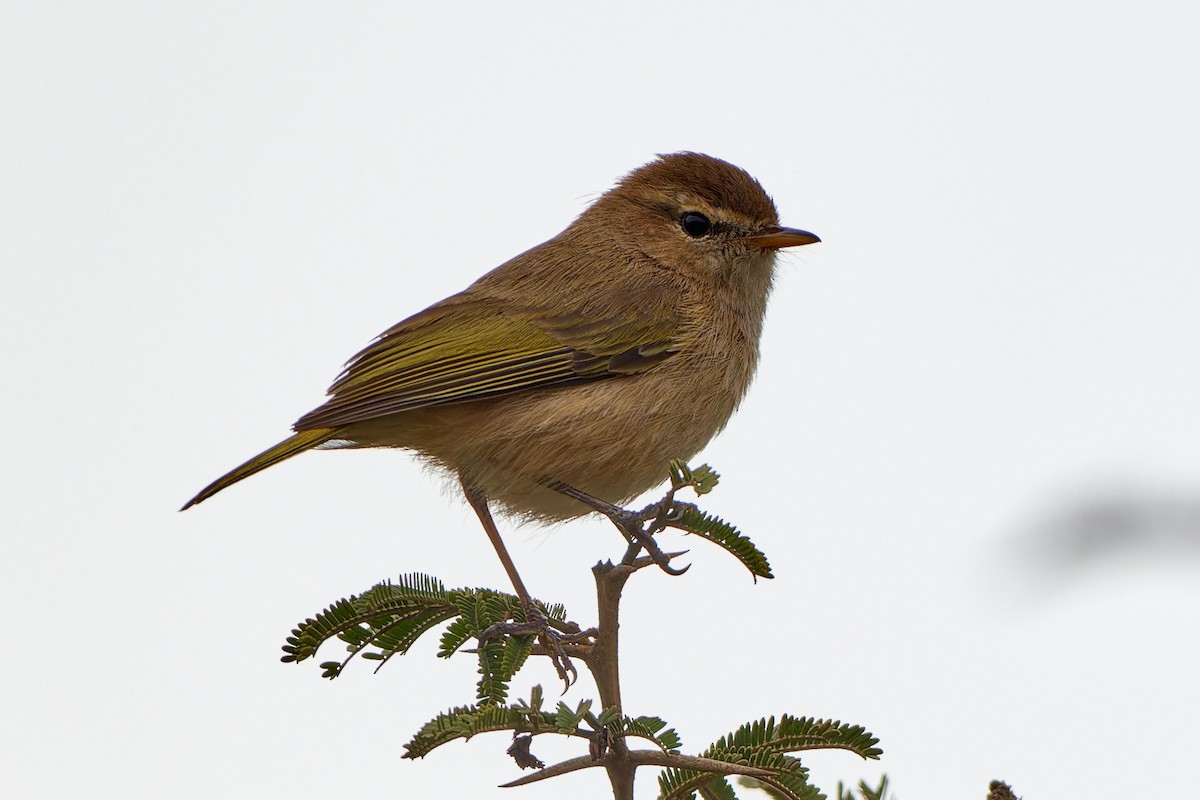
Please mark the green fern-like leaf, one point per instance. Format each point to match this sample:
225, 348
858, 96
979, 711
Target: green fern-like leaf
492, 687
457, 634
308, 635
463, 723
386, 620
472, 623
864, 789
792, 786
801, 733
688, 517
388, 616
499, 657
608, 718
651, 728
474, 608
767, 789
398, 635
680, 473
567, 720
766, 744
532, 710
516, 651
675, 784
702, 479
717, 789
467, 721
554, 611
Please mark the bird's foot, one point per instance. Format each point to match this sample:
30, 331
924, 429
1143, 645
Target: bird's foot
638, 527
553, 636
641, 535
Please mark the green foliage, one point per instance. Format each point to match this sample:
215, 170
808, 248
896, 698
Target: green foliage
717, 789
387, 620
802, 733
789, 777
702, 479
530, 717
466, 721
864, 790
688, 517
765, 744
651, 728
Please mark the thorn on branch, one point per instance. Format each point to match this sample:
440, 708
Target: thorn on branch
648, 561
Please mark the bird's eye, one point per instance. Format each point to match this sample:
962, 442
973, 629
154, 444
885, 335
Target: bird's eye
695, 224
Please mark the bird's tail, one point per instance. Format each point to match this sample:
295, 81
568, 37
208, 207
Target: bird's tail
304, 440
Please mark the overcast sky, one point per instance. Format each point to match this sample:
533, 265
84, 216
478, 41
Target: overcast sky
972, 451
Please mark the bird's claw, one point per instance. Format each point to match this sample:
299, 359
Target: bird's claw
551, 634
641, 536
638, 527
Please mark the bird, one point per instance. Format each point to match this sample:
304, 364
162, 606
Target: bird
578, 369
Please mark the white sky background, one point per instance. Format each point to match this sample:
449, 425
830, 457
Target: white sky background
972, 451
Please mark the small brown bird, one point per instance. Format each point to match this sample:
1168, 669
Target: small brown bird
585, 364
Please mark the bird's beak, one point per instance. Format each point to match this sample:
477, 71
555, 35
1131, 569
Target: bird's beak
774, 236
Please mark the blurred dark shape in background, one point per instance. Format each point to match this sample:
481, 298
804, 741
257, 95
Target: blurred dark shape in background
1121, 525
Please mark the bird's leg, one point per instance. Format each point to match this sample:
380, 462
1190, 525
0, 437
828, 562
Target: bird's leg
537, 622
632, 524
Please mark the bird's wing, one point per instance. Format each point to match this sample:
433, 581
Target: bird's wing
461, 350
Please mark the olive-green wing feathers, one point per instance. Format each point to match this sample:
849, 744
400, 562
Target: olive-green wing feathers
468, 349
